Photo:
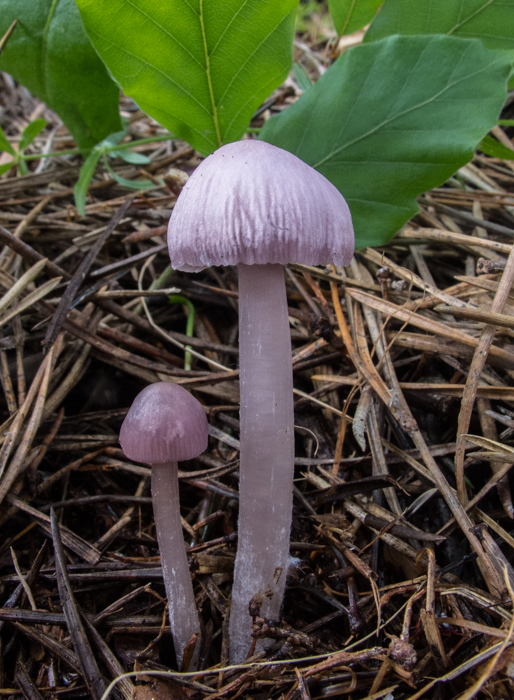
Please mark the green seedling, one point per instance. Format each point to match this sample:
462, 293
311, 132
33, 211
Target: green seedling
27, 137
178, 299
494, 148
112, 148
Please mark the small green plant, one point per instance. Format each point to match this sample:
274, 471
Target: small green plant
19, 158
111, 148
188, 304
492, 147
386, 121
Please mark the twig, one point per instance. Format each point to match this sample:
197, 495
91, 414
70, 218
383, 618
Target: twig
477, 365
79, 276
89, 668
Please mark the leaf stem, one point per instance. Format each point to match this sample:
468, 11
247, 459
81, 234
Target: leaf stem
67, 152
44, 43
209, 81
178, 299
7, 35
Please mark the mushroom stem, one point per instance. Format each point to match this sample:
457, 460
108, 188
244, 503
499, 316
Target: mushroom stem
267, 450
175, 569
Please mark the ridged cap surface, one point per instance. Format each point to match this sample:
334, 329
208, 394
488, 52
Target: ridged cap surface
251, 202
164, 424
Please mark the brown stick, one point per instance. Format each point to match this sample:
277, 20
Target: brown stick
475, 370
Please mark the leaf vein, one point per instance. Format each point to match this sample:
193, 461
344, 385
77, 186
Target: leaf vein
401, 114
248, 58
348, 17
157, 70
271, 81
163, 29
228, 27
44, 45
461, 23
209, 78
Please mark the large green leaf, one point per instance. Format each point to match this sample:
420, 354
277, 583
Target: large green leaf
50, 53
492, 21
351, 15
200, 67
394, 118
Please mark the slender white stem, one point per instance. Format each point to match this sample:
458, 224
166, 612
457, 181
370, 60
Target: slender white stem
267, 450
175, 569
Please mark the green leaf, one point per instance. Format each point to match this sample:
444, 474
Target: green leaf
199, 67
302, 77
392, 119
30, 132
114, 139
494, 148
190, 326
50, 53
86, 173
23, 168
131, 184
5, 145
351, 15
492, 21
6, 166
131, 157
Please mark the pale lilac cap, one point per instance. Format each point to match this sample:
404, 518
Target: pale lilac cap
251, 202
164, 424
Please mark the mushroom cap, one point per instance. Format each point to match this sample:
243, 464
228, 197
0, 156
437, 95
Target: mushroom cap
251, 202
164, 424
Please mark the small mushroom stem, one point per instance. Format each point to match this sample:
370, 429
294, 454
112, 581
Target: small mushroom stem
267, 450
175, 569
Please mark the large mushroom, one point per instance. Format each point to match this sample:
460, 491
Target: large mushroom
257, 206
166, 425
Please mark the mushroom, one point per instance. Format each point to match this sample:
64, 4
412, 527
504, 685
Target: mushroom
166, 425
257, 206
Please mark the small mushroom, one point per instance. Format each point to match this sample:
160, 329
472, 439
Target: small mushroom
166, 425
257, 206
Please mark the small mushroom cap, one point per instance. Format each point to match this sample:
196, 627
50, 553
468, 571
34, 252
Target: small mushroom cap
251, 202
164, 424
